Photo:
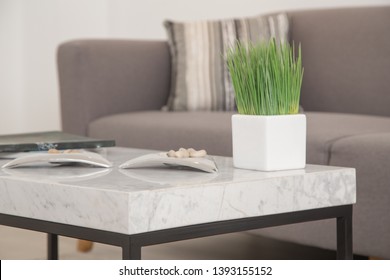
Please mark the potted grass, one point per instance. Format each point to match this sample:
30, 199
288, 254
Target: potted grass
268, 132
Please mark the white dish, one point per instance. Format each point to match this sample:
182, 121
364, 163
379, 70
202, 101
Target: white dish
81, 157
206, 164
71, 174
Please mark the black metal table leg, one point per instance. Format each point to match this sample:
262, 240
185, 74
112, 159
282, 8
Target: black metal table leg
344, 236
52, 246
131, 250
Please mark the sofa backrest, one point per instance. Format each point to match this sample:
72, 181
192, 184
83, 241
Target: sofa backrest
346, 59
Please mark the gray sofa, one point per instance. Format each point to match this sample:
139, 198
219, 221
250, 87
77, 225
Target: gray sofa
116, 89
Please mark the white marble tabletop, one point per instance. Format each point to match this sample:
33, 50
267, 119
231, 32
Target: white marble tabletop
133, 201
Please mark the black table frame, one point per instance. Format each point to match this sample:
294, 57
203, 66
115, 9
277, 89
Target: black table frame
132, 244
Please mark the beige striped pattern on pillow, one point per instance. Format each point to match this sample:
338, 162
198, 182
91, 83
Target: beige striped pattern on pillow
200, 78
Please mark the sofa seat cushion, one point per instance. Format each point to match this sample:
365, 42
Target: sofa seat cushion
326, 129
212, 131
168, 130
369, 154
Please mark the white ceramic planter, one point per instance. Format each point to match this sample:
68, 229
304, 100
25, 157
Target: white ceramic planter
269, 143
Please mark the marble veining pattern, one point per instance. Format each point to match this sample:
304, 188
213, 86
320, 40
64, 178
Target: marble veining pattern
140, 200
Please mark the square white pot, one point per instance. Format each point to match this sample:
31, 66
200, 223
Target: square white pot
269, 143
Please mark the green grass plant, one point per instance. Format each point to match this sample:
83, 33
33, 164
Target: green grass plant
266, 76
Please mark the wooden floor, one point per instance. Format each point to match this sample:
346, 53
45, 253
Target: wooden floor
24, 244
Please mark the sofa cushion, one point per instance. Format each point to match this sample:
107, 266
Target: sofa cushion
200, 79
168, 130
369, 154
325, 129
212, 131
345, 53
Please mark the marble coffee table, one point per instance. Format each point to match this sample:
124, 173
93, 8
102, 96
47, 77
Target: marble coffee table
139, 207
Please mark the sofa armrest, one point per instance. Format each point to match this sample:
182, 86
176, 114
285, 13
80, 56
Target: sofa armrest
103, 77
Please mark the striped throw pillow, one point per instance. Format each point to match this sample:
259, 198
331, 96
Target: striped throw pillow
200, 78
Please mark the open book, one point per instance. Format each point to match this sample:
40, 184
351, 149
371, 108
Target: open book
44, 141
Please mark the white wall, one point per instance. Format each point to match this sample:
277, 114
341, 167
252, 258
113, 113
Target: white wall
11, 74
143, 20
30, 31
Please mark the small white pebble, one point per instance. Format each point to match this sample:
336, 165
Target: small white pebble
180, 154
184, 152
197, 154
